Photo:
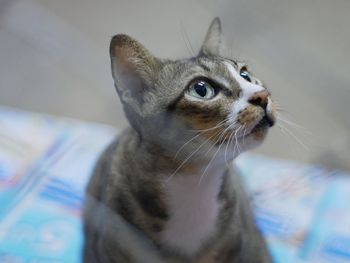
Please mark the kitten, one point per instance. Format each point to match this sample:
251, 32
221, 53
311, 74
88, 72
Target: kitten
162, 191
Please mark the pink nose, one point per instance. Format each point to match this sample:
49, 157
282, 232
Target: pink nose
260, 99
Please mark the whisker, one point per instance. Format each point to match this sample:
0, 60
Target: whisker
279, 110
201, 133
221, 123
186, 40
304, 129
223, 133
244, 133
219, 138
236, 140
232, 137
293, 136
227, 144
188, 48
190, 155
239, 149
208, 165
189, 42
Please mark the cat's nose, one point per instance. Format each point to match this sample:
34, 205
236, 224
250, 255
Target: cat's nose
260, 98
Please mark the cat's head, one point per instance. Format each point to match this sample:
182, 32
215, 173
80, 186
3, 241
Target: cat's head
200, 103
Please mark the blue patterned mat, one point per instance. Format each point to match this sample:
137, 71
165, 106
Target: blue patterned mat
45, 162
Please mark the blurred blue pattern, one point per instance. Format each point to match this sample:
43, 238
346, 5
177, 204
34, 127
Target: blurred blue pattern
302, 210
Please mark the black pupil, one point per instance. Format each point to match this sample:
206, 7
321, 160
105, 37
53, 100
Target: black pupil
245, 75
200, 88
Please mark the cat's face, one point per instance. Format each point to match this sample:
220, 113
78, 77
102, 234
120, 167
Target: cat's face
207, 103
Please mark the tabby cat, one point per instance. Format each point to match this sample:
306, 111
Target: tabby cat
162, 191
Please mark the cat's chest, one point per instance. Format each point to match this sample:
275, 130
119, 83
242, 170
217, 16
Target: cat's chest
194, 208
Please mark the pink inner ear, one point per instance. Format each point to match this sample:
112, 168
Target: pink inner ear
130, 56
121, 51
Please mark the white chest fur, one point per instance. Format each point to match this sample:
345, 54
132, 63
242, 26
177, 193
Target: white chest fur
194, 210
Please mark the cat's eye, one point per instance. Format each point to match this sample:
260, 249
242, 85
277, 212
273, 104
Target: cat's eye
201, 89
245, 74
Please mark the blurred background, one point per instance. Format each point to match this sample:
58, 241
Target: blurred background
54, 59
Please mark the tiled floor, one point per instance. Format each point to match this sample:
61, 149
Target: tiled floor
54, 59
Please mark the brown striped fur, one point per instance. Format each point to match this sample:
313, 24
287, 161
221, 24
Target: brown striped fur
127, 205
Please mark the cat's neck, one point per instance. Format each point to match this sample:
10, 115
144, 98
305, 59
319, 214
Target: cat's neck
190, 194
194, 209
191, 189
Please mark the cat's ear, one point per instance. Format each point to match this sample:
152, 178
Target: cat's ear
213, 45
133, 67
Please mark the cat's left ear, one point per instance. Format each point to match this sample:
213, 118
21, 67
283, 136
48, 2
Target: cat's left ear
133, 68
213, 43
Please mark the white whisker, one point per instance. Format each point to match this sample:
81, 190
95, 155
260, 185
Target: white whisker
201, 132
244, 134
291, 123
186, 40
190, 155
236, 141
220, 124
227, 144
292, 135
219, 138
208, 165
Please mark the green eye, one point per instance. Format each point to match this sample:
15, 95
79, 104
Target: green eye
202, 90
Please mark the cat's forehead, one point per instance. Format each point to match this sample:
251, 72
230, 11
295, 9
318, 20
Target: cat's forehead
210, 64
215, 68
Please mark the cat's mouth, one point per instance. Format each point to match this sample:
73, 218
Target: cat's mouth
263, 125
266, 121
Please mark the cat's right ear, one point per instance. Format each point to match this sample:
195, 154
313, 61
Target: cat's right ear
213, 43
133, 67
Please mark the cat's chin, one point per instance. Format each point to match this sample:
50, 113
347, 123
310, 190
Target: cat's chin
254, 139
259, 133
